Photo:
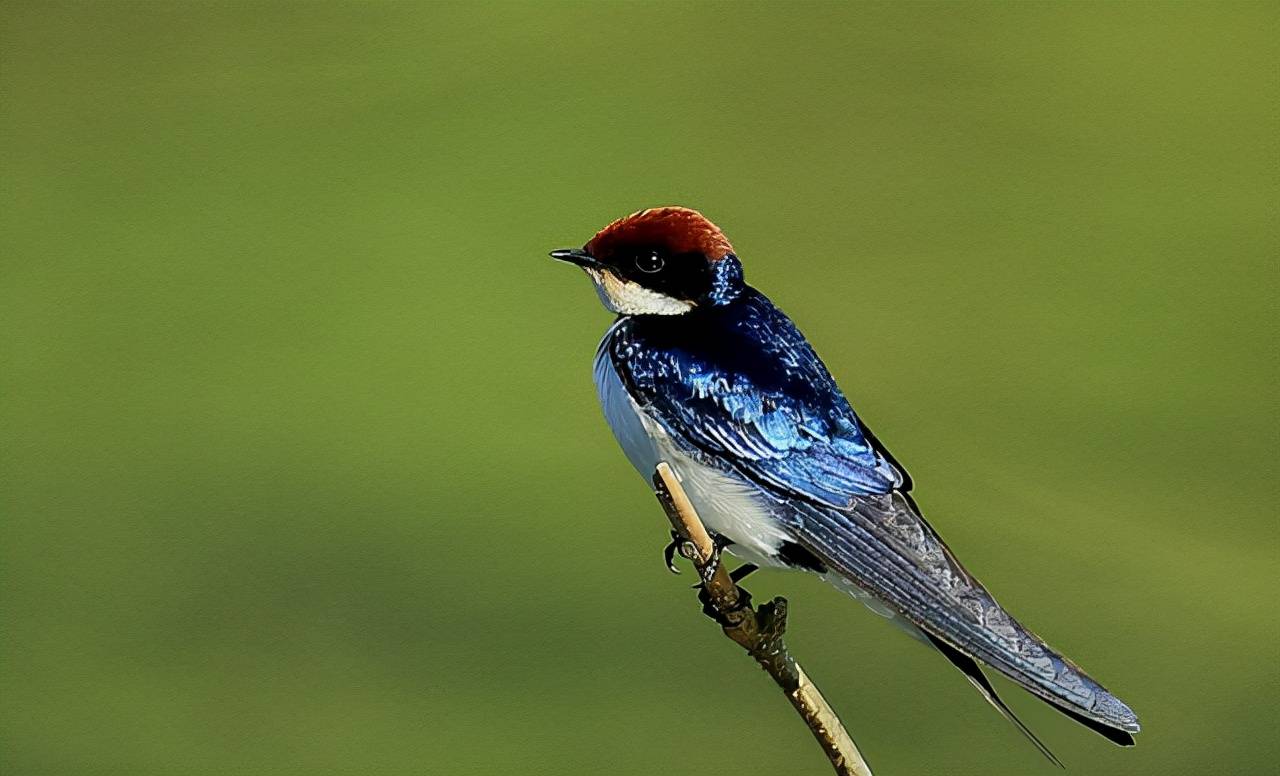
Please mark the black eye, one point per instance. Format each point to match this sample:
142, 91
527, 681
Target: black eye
649, 262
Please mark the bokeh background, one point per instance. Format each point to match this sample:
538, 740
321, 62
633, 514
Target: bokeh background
302, 466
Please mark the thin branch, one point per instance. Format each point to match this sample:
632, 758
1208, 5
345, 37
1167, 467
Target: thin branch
758, 631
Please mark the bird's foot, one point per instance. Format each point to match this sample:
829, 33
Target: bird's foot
685, 549
709, 569
669, 552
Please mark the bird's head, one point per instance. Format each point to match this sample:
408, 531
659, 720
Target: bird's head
661, 261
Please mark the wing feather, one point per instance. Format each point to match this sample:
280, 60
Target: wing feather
884, 545
751, 390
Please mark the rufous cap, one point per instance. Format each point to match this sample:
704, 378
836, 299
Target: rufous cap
681, 229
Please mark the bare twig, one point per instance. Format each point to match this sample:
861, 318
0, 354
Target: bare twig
758, 631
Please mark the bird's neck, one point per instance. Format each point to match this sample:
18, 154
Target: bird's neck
707, 327
726, 281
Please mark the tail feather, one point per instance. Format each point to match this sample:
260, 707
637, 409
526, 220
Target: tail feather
973, 672
882, 545
1112, 734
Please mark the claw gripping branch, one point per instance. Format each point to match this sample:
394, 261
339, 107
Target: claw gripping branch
758, 631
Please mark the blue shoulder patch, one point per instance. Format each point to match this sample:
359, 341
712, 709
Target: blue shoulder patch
739, 384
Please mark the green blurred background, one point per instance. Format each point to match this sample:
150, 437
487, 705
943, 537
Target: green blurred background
302, 466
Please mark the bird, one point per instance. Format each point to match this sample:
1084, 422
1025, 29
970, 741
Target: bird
704, 372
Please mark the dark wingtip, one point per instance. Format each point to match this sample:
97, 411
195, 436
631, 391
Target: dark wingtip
1113, 734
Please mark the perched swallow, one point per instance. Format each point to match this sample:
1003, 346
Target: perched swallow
702, 371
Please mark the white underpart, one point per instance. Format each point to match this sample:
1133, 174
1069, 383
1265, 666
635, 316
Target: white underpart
728, 506
628, 298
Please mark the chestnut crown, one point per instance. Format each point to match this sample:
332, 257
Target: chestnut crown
661, 261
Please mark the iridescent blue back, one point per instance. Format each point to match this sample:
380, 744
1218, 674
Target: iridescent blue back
738, 383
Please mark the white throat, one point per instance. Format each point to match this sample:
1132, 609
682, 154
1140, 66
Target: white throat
628, 298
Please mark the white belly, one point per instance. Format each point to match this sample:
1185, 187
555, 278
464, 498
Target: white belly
728, 506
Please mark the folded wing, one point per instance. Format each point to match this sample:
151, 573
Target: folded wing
752, 392
884, 545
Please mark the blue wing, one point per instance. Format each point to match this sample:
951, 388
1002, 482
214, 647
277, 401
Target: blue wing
745, 388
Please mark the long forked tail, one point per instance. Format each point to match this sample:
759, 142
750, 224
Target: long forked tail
882, 545
973, 672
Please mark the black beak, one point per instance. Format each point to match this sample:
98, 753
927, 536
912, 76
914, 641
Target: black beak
575, 256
